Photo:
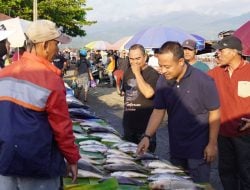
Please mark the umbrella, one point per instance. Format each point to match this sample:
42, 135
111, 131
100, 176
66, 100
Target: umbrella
154, 37
243, 33
119, 44
17, 38
200, 41
98, 45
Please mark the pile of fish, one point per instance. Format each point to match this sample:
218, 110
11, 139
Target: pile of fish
104, 154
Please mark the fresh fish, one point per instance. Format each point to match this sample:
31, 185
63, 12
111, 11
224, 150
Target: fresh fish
128, 157
129, 150
128, 174
116, 152
92, 123
125, 167
158, 164
94, 148
124, 144
88, 174
146, 156
84, 165
108, 140
81, 113
90, 142
119, 161
165, 176
94, 129
75, 103
106, 135
166, 170
89, 160
125, 181
172, 184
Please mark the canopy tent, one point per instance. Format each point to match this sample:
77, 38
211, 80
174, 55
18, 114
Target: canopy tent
154, 37
119, 44
200, 42
243, 33
98, 45
17, 37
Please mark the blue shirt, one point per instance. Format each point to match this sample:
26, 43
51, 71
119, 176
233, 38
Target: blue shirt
201, 66
188, 104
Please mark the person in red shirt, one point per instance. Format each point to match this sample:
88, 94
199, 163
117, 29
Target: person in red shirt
232, 78
36, 130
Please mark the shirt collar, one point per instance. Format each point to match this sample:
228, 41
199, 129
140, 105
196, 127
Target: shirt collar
241, 65
188, 71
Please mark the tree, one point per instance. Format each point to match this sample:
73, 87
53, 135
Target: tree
69, 15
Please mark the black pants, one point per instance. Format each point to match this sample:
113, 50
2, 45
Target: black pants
134, 125
234, 162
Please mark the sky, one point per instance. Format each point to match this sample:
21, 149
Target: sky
115, 10
106, 12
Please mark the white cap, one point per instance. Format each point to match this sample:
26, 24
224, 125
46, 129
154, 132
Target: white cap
45, 30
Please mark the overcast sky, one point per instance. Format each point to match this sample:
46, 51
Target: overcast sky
113, 10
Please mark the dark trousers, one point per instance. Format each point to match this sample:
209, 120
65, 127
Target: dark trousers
198, 169
234, 162
135, 124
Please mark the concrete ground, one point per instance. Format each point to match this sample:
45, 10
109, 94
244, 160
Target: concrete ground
108, 105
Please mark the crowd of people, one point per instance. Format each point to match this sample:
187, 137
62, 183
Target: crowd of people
208, 109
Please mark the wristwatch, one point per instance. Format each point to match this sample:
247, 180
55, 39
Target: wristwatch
145, 135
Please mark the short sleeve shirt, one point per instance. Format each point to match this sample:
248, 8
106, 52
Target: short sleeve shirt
188, 104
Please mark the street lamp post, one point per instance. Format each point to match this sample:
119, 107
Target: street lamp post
34, 10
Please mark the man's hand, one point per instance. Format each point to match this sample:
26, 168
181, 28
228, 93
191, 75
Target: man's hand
72, 169
210, 152
136, 68
143, 146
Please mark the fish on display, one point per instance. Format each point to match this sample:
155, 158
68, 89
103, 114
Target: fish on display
124, 144
129, 150
73, 102
106, 135
128, 157
88, 174
166, 170
81, 113
147, 156
125, 167
158, 164
94, 129
91, 142
108, 140
167, 176
94, 148
116, 152
172, 184
84, 165
128, 174
125, 181
89, 160
119, 161
91, 123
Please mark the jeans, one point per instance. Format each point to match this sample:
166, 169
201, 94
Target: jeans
198, 169
234, 162
27, 183
111, 80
